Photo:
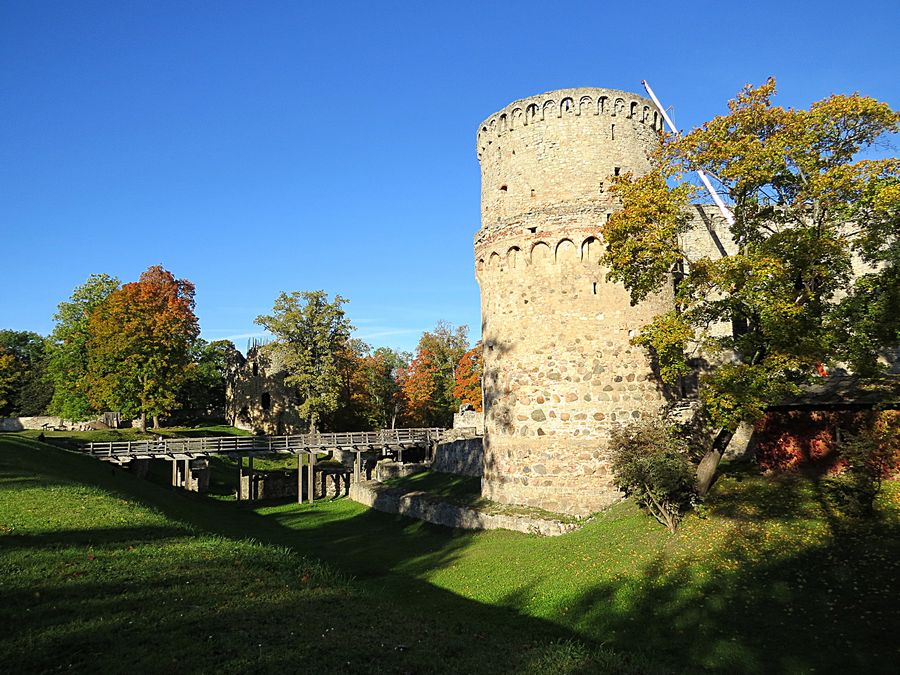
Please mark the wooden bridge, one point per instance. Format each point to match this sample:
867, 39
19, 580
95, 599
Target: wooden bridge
180, 451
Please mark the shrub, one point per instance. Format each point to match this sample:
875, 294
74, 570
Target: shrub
868, 457
651, 463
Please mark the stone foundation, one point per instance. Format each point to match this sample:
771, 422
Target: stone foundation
421, 506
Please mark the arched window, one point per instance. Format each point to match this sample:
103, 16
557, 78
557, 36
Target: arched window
266, 400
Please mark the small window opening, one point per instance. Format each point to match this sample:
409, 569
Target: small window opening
612, 131
266, 400
608, 216
255, 369
617, 170
503, 188
595, 288
532, 229
532, 193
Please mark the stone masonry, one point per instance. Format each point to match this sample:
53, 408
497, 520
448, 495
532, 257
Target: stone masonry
559, 370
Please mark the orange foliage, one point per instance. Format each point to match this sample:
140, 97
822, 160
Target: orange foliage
139, 344
468, 378
418, 386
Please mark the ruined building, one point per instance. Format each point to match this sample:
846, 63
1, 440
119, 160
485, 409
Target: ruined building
559, 370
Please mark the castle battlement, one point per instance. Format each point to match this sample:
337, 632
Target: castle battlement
563, 104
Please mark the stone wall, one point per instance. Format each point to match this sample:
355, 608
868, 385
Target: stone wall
421, 506
257, 398
559, 369
469, 419
463, 457
22, 423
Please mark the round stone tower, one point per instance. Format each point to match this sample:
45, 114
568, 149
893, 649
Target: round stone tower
559, 370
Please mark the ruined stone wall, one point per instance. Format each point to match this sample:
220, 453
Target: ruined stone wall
258, 399
558, 367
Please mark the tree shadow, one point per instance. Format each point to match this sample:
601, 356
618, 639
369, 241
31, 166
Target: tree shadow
778, 590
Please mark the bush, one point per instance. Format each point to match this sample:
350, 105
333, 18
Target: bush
651, 463
868, 457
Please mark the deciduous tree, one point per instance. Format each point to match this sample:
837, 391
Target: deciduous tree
311, 335
467, 388
139, 345
805, 210
31, 389
68, 348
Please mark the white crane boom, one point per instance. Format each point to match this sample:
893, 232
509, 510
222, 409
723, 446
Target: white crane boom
724, 210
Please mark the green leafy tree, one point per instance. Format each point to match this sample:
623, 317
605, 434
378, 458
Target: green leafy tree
67, 364
31, 389
381, 371
9, 376
312, 334
805, 209
139, 345
202, 394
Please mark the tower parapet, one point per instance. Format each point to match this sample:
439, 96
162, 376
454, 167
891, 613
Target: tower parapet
559, 367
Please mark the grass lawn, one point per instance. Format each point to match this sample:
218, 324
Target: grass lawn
766, 579
105, 572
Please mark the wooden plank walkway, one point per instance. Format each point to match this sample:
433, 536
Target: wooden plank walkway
182, 448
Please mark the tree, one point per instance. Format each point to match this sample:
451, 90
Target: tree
29, 388
467, 387
311, 333
381, 370
139, 345
429, 381
805, 208
206, 378
9, 376
67, 364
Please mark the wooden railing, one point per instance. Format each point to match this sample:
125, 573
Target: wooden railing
218, 445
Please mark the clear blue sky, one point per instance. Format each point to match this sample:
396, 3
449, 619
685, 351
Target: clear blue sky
256, 147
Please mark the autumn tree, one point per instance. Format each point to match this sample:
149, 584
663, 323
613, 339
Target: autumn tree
381, 371
29, 389
67, 364
139, 345
805, 209
311, 335
469, 370
429, 381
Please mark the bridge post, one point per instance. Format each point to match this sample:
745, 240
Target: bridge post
174, 473
356, 467
299, 478
252, 492
240, 489
310, 477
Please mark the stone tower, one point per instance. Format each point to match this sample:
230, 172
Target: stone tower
559, 369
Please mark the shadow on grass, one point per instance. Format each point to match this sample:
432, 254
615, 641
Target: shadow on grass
784, 588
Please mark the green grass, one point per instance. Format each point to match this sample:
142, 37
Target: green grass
767, 579
102, 571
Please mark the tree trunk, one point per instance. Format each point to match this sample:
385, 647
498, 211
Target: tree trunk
143, 422
706, 471
156, 424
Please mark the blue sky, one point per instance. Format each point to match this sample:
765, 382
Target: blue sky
256, 147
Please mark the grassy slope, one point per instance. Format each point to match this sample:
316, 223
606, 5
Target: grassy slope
104, 571
768, 580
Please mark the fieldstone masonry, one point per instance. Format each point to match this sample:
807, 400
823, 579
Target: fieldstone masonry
559, 370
